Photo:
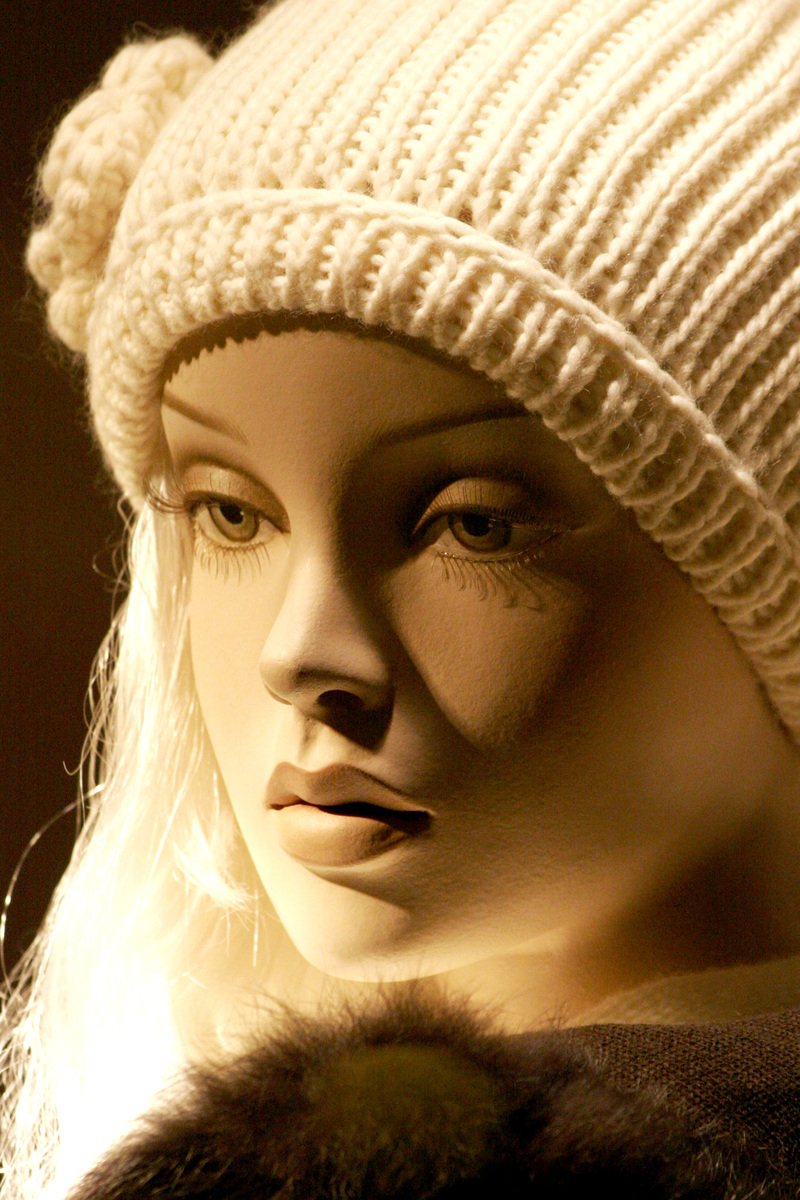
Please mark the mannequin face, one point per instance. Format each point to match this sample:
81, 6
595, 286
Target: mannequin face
412, 604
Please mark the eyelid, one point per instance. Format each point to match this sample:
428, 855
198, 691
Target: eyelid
204, 482
502, 498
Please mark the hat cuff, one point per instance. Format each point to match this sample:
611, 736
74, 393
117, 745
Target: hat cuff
429, 276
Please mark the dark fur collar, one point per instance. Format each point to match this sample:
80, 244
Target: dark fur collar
413, 1102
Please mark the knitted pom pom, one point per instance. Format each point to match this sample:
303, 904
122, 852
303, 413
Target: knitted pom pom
94, 157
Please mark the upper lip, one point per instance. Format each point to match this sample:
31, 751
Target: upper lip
332, 787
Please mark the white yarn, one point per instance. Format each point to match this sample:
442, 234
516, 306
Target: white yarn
94, 158
592, 201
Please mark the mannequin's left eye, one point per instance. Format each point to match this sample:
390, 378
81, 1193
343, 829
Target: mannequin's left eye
485, 518
479, 531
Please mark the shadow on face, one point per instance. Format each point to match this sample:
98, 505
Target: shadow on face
414, 597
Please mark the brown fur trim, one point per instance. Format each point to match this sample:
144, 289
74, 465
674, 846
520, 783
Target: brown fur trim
414, 1102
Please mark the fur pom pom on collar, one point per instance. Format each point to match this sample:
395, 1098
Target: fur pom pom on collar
412, 1102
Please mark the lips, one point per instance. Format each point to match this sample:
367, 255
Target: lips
339, 816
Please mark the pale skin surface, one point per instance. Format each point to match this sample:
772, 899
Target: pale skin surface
607, 795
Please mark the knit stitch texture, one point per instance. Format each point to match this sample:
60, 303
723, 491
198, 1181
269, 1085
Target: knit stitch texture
593, 202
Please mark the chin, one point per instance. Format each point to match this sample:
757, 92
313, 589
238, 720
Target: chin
356, 935
387, 947
377, 948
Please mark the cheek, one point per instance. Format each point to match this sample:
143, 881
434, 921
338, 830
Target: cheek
229, 621
489, 663
610, 683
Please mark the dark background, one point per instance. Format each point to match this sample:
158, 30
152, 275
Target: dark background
59, 523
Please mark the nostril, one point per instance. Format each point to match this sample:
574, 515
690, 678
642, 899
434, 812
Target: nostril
363, 719
345, 702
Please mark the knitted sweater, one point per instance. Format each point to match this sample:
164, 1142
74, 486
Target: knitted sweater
415, 1101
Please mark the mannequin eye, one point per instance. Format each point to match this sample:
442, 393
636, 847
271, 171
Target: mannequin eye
481, 532
492, 536
485, 518
227, 522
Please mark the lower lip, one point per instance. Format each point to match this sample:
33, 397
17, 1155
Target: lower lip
330, 838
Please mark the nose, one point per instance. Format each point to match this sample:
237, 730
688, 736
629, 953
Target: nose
323, 656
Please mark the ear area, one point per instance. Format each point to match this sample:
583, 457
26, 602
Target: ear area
94, 157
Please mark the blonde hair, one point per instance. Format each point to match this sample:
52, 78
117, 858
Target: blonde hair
154, 945
592, 204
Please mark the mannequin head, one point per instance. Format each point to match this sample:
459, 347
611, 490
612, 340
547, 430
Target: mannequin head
398, 569
517, 563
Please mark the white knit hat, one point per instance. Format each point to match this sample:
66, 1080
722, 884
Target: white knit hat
594, 202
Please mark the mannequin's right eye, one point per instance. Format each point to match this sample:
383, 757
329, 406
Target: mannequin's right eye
229, 523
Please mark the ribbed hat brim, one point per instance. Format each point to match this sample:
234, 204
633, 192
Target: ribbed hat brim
395, 266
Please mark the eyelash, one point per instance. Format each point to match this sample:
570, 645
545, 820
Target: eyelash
213, 556
488, 577
506, 574
219, 560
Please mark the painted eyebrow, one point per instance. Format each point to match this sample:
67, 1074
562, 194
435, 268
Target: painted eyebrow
392, 437
420, 428
219, 424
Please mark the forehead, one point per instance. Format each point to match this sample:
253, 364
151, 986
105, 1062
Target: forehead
326, 398
328, 378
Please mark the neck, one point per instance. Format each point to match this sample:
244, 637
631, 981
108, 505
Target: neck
739, 906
